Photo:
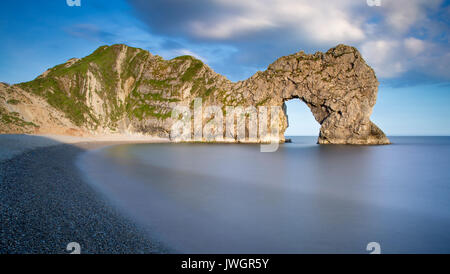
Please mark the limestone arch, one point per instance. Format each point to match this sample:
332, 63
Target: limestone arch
338, 86
300, 119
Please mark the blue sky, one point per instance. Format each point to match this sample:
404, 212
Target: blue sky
405, 41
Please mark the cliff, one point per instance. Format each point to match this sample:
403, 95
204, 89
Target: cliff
121, 89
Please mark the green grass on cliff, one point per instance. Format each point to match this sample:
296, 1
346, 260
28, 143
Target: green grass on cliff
54, 93
160, 83
201, 87
195, 67
139, 105
12, 118
13, 102
143, 110
64, 86
134, 57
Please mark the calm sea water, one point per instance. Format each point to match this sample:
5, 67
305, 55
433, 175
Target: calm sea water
304, 198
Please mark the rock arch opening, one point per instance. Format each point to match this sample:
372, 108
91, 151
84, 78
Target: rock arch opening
300, 120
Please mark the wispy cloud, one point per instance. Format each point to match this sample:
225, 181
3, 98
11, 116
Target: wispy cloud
90, 32
394, 37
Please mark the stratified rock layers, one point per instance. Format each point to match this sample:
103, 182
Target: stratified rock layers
120, 89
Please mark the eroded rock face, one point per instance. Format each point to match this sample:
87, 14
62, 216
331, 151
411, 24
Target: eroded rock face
338, 86
120, 89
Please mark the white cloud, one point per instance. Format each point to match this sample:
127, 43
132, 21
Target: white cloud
383, 56
397, 37
384, 43
391, 58
229, 27
189, 52
329, 21
414, 46
401, 15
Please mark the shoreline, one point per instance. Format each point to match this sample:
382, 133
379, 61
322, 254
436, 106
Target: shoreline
46, 204
12, 145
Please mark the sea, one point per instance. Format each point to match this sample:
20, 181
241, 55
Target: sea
303, 198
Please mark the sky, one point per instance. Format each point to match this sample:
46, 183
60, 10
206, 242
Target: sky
405, 41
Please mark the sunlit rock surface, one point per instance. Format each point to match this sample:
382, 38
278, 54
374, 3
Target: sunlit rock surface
120, 89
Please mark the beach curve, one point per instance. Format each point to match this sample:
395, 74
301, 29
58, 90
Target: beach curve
45, 203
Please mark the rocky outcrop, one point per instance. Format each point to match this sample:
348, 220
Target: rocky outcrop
120, 89
338, 86
24, 112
